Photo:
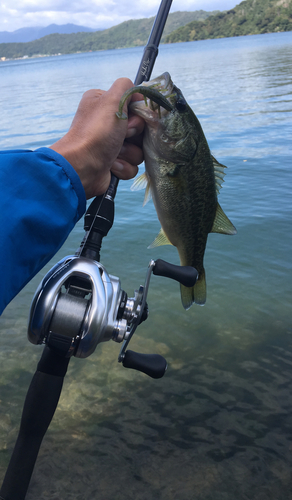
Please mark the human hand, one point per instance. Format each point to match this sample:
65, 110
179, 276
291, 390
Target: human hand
98, 141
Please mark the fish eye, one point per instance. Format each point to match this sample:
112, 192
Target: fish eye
164, 138
181, 104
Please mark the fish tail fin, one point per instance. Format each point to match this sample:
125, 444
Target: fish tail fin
196, 293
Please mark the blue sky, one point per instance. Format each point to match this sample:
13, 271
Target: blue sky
92, 13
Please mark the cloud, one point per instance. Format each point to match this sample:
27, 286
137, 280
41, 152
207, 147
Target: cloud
92, 13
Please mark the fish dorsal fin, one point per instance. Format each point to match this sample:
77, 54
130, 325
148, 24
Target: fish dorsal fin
219, 174
221, 223
142, 182
161, 239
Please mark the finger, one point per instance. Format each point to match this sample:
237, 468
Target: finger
137, 97
118, 88
137, 140
131, 153
135, 125
124, 170
93, 93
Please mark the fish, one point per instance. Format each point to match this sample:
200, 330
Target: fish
181, 176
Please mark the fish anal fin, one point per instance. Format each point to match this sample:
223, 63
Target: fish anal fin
196, 293
161, 239
221, 223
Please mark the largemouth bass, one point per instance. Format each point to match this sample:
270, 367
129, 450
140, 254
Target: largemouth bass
181, 175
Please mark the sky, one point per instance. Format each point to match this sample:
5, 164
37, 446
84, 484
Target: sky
97, 14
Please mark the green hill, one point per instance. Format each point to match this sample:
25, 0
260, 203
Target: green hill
127, 34
250, 17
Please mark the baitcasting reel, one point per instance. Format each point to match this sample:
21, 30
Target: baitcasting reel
78, 304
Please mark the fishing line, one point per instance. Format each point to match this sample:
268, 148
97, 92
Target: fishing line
88, 233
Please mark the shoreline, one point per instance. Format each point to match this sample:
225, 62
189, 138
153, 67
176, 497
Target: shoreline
36, 56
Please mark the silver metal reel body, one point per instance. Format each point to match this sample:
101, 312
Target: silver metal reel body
77, 300
78, 305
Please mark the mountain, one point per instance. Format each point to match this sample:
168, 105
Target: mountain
250, 17
29, 34
127, 34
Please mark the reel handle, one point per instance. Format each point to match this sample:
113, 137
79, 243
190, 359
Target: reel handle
186, 275
153, 365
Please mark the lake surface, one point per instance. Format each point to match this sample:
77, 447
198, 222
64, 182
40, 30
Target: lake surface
218, 426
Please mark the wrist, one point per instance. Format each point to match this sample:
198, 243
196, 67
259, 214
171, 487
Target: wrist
86, 167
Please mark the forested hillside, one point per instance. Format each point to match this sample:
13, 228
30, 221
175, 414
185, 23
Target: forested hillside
250, 17
127, 34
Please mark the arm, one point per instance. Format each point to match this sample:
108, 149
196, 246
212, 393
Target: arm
43, 192
40, 205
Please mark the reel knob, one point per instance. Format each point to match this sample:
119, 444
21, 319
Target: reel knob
153, 365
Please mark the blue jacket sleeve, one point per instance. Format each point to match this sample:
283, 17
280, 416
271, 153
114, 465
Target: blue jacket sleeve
41, 199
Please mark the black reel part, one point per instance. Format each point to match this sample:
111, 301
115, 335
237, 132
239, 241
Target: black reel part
98, 220
153, 365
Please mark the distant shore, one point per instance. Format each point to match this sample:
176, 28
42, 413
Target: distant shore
35, 56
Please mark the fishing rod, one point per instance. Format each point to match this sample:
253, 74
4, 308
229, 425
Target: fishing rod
78, 305
148, 58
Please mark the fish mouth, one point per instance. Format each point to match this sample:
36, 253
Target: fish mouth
162, 83
152, 110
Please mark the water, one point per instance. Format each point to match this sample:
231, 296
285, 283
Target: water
218, 425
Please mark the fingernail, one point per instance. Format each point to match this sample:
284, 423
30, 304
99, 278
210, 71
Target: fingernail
117, 166
131, 132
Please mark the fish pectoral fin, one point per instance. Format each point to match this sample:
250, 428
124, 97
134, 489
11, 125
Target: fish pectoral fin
161, 239
222, 224
196, 293
140, 182
148, 194
143, 182
174, 172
